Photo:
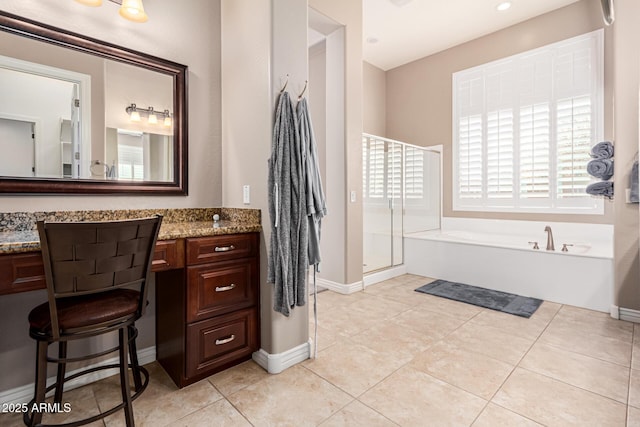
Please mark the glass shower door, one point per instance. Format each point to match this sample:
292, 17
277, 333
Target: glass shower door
422, 190
382, 203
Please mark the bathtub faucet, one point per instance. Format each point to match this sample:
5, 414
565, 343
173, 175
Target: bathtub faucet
550, 246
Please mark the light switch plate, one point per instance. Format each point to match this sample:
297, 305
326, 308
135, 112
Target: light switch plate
353, 196
246, 194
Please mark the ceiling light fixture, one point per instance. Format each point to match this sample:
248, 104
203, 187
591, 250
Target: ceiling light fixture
372, 40
503, 6
133, 10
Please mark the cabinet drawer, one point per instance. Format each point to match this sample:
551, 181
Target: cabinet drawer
219, 248
217, 288
21, 273
218, 342
168, 254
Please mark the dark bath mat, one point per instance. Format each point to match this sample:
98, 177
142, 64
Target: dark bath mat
487, 298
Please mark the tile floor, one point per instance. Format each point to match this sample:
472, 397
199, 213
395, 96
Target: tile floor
390, 356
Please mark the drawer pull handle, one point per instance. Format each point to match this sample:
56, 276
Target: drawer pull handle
225, 288
224, 248
225, 340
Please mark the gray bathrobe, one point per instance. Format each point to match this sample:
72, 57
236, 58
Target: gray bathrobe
315, 203
288, 257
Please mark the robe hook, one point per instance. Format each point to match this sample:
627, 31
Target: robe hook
285, 84
306, 82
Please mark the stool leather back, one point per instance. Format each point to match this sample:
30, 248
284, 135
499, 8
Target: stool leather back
82, 258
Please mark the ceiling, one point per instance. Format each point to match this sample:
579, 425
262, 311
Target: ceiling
421, 28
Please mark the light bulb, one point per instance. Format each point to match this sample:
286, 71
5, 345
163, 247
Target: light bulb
135, 116
133, 10
153, 119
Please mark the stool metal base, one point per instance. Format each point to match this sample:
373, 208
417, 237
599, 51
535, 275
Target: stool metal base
28, 416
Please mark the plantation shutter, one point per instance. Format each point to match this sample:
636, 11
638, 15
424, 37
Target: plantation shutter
534, 151
365, 163
524, 127
535, 94
499, 138
470, 100
414, 173
130, 162
575, 116
394, 170
376, 169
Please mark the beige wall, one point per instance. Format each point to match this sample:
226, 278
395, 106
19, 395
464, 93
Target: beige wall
627, 57
263, 41
202, 54
349, 14
419, 93
374, 99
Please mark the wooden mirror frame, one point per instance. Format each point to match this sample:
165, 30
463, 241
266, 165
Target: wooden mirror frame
42, 32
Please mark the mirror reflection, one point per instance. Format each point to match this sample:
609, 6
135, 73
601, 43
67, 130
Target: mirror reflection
117, 125
66, 114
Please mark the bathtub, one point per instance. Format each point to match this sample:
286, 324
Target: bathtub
496, 255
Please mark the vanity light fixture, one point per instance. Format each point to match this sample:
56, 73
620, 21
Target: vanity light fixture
133, 10
167, 118
153, 119
136, 113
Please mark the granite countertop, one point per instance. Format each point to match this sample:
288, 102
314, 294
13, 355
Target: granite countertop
18, 240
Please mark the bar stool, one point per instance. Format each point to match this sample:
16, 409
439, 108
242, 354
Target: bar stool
90, 270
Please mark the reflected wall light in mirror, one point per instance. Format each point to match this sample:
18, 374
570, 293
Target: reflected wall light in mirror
135, 115
133, 10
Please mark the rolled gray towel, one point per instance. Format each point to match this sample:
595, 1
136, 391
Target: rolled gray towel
602, 188
602, 150
601, 168
634, 197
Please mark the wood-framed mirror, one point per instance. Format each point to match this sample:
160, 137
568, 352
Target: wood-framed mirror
79, 115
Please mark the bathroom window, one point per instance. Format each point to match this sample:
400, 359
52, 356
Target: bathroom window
130, 162
523, 128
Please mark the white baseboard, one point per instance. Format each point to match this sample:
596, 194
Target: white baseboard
341, 288
276, 363
614, 312
381, 276
629, 315
24, 394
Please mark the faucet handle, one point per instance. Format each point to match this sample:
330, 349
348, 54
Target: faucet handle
564, 247
535, 245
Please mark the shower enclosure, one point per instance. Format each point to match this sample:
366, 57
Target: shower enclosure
401, 194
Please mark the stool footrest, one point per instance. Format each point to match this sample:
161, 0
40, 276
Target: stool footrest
28, 415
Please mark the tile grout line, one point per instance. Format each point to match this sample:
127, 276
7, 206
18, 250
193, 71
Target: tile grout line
517, 365
633, 339
353, 399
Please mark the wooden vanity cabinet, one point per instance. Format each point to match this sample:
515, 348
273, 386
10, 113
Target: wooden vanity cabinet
207, 315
